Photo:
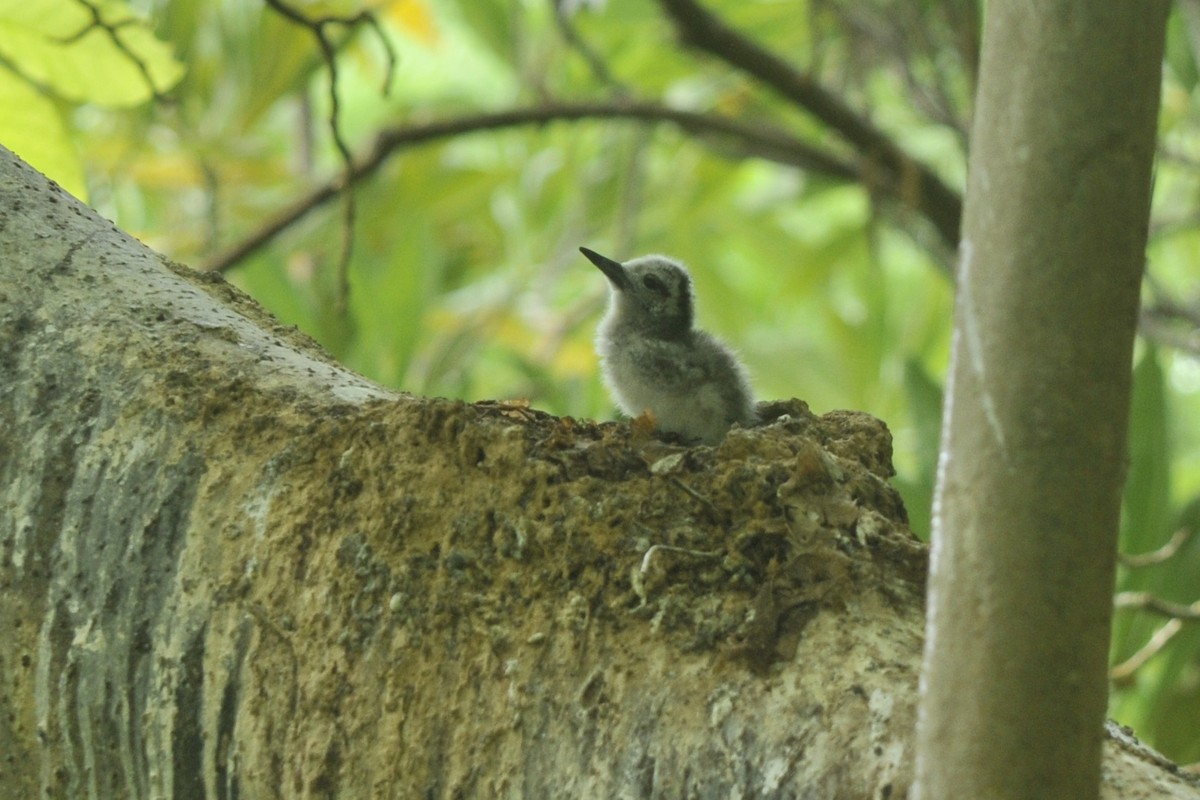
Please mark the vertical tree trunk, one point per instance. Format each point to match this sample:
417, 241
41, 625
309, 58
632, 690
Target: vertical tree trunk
1025, 517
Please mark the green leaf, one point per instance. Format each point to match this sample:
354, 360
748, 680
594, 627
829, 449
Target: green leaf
1145, 519
1179, 56
1147, 490
117, 61
924, 396
33, 128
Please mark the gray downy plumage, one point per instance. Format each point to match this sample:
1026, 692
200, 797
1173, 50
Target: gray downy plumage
654, 359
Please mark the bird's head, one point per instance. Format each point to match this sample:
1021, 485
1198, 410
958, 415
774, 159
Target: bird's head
651, 294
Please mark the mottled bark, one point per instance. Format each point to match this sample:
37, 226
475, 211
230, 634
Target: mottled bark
229, 568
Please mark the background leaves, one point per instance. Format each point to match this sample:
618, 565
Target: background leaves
93, 51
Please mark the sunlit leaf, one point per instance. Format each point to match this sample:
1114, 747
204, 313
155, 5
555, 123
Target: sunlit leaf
114, 60
33, 128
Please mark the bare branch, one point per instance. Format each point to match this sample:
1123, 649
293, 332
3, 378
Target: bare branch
896, 174
1164, 553
903, 38
1158, 330
329, 55
599, 69
755, 140
1169, 322
112, 31
1124, 672
1144, 601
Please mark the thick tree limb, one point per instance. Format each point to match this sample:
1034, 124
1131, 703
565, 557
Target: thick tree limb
887, 168
230, 568
1034, 440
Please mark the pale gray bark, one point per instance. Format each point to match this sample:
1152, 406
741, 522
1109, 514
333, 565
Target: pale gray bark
230, 568
1033, 452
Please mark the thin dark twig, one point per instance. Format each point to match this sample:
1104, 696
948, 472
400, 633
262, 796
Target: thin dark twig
596, 64
701, 499
371, 21
903, 38
97, 22
16, 69
112, 31
1166, 304
318, 28
899, 175
936, 97
749, 140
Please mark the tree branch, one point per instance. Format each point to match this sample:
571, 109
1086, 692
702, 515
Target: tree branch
756, 140
112, 31
1168, 321
1164, 553
317, 26
164, 647
896, 173
1122, 673
596, 64
1156, 326
1176, 613
1027, 507
1144, 601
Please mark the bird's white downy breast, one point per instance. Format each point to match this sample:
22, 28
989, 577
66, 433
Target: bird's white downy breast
638, 386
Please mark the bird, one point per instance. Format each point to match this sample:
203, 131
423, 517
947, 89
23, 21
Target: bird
654, 359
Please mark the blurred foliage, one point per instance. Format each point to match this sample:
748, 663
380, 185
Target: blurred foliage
55, 53
465, 277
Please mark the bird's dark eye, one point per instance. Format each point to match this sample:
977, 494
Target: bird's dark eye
654, 284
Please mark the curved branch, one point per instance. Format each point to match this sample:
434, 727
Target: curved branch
903, 177
1123, 673
1159, 556
756, 140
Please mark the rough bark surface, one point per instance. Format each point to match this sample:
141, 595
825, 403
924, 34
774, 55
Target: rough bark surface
229, 568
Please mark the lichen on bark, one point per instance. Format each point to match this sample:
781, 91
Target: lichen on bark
229, 567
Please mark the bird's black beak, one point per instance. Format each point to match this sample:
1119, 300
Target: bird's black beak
611, 269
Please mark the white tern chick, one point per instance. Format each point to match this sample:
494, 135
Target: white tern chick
653, 359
